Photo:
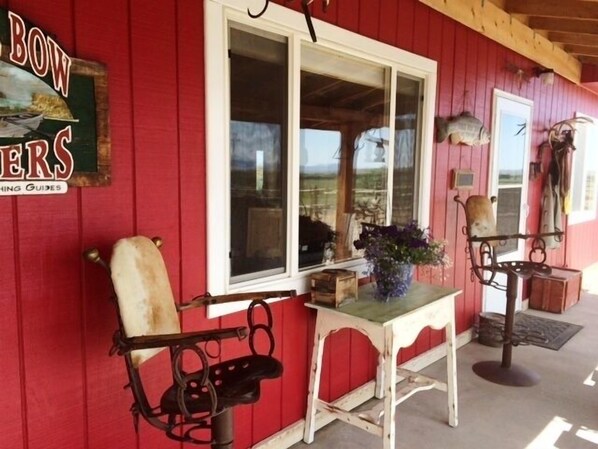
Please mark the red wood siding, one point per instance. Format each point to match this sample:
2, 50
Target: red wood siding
60, 388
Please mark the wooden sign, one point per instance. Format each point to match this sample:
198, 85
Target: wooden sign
53, 114
462, 179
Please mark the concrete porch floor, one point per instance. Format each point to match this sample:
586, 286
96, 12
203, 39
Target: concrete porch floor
560, 412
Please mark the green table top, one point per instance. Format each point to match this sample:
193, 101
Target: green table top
370, 309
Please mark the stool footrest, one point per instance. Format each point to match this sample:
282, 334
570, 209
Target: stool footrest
417, 382
354, 418
371, 419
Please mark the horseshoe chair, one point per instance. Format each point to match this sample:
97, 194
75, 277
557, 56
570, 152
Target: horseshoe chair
195, 402
482, 241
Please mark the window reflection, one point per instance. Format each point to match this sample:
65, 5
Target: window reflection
512, 149
512, 134
343, 180
370, 186
320, 162
257, 154
406, 157
508, 206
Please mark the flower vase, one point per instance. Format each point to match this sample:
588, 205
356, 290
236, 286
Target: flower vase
394, 283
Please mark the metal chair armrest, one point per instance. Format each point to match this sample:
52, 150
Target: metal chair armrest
207, 299
503, 237
125, 345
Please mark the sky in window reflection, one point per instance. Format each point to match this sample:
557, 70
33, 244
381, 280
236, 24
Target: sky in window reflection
320, 150
512, 148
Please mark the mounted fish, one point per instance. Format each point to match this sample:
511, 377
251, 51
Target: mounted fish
464, 129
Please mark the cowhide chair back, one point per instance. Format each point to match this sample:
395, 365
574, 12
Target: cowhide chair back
480, 217
143, 291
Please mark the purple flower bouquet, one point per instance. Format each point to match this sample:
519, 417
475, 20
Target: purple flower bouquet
392, 252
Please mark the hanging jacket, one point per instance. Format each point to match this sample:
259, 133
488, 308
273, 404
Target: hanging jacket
551, 219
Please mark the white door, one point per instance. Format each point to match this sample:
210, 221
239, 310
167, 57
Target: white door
508, 177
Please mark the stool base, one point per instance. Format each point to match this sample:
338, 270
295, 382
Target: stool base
514, 376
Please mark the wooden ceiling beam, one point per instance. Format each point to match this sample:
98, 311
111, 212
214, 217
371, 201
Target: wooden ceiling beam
493, 22
566, 25
581, 50
589, 59
573, 38
572, 9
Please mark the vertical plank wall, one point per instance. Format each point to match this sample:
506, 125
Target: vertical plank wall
60, 388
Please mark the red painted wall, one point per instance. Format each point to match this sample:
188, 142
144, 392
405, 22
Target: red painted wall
59, 387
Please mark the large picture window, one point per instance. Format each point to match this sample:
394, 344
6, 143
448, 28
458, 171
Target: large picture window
304, 143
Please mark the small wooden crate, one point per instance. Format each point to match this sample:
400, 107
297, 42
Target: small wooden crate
334, 287
556, 292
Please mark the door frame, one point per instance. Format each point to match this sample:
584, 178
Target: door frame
505, 101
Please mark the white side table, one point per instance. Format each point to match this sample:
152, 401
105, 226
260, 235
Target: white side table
389, 327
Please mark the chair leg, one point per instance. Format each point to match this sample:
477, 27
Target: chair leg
504, 372
507, 349
222, 430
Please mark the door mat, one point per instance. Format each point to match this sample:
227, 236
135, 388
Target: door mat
543, 332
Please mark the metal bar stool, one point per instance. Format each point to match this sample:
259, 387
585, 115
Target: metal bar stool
197, 401
482, 240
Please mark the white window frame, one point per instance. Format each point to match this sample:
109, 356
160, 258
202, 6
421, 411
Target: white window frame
584, 150
292, 24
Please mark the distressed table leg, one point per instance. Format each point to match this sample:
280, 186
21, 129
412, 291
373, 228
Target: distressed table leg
451, 373
390, 388
314, 384
379, 390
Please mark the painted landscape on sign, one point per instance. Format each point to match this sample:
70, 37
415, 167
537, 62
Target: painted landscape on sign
25, 101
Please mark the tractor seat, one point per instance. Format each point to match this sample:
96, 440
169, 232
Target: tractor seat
235, 382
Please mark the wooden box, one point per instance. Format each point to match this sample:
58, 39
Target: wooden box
557, 292
334, 287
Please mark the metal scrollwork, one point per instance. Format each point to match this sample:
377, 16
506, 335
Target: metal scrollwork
218, 343
192, 384
537, 252
486, 254
254, 328
304, 7
261, 13
135, 413
188, 434
486, 263
119, 346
